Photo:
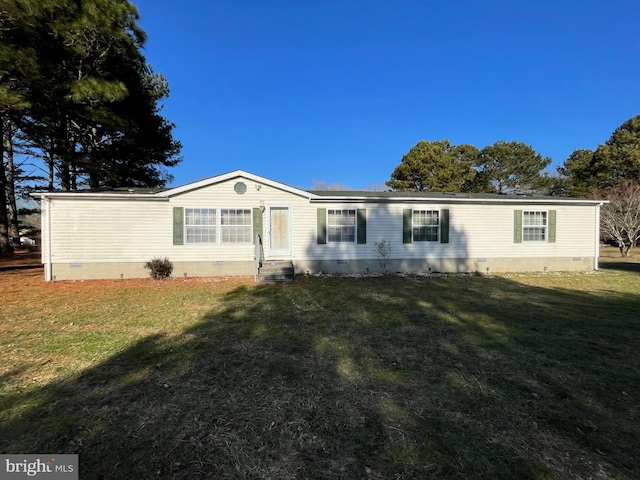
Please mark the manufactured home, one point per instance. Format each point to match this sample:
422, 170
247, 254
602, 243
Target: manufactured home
232, 223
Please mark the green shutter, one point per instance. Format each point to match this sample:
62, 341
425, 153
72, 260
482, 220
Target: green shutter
517, 226
257, 223
178, 226
322, 226
552, 226
361, 225
406, 225
444, 225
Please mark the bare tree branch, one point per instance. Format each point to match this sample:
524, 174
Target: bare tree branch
620, 218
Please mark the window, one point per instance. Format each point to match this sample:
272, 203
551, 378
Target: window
200, 225
235, 224
534, 226
425, 225
212, 225
341, 225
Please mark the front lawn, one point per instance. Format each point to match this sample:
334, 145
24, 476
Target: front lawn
521, 376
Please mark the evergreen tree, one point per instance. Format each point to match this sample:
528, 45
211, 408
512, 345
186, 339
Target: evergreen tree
612, 163
514, 166
94, 102
436, 166
76, 89
17, 63
576, 174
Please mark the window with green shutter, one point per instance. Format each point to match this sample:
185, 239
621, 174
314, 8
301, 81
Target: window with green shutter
534, 226
178, 226
212, 225
341, 225
321, 235
517, 226
406, 225
552, 226
257, 223
361, 226
444, 225
425, 225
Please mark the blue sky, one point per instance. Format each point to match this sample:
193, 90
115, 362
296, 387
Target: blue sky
338, 91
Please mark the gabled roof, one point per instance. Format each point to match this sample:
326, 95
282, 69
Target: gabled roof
237, 174
165, 194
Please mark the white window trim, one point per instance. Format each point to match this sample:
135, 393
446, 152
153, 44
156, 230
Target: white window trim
355, 226
185, 226
218, 225
545, 226
413, 210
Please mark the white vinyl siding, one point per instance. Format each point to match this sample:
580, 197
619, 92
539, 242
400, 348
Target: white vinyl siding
223, 196
85, 230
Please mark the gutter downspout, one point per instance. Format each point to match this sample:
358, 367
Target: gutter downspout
597, 237
48, 267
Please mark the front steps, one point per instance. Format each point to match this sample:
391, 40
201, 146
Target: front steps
275, 271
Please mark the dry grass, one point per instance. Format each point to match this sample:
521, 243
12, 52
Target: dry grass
527, 376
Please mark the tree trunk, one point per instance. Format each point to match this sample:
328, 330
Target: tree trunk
51, 164
624, 249
74, 178
12, 206
64, 172
5, 246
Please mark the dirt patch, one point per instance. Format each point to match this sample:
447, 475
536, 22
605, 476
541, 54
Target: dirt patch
24, 271
610, 259
612, 254
20, 270
19, 259
30, 278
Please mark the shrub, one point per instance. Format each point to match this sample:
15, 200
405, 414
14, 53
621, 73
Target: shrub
159, 268
383, 249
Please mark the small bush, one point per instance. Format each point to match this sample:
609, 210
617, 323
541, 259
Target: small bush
159, 268
383, 249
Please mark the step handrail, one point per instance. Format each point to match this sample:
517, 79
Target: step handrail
258, 255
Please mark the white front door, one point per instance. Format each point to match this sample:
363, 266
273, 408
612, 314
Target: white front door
279, 230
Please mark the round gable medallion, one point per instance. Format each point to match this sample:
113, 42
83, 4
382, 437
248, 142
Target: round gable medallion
240, 188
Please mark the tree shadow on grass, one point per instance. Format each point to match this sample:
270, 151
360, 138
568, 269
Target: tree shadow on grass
620, 265
454, 377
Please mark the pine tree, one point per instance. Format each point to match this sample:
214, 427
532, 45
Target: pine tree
611, 164
437, 167
514, 166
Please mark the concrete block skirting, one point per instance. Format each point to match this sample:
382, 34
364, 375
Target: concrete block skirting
114, 270
449, 265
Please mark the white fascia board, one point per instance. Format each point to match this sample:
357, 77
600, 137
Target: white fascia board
481, 201
153, 197
236, 174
